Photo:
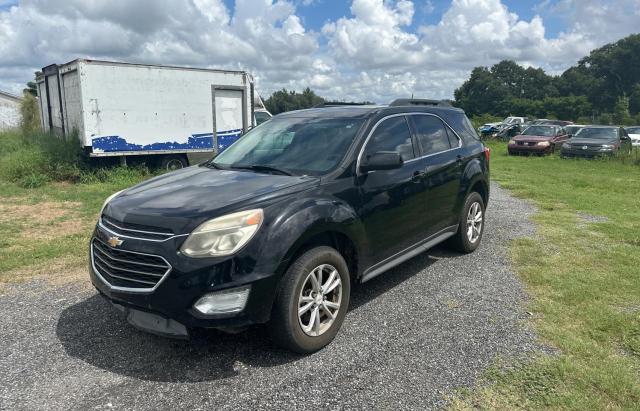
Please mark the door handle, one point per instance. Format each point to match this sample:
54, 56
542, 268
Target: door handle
418, 176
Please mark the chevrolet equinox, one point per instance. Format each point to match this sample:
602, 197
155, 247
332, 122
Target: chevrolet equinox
277, 228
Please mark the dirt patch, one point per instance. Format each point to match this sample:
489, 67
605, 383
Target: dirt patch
55, 230
57, 272
589, 218
40, 213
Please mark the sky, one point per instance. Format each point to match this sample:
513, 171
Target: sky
375, 50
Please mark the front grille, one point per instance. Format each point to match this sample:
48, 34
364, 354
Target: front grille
128, 269
135, 230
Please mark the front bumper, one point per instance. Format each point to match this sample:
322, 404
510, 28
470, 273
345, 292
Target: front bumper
527, 149
588, 153
187, 281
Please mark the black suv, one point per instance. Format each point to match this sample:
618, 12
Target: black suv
280, 225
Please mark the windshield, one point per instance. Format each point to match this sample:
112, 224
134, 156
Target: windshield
633, 130
572, 129
598, 133
299, 145
509, 120
545, 131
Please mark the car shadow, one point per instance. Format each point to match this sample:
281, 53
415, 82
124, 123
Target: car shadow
96, 333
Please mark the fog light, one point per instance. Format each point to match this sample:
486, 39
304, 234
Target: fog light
223, 302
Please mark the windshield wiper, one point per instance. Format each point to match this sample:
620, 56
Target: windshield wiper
211, 164
262, 167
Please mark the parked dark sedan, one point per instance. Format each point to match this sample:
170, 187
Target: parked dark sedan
593, 141
537, 140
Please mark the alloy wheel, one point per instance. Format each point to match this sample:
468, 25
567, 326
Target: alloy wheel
474, 222
319, 300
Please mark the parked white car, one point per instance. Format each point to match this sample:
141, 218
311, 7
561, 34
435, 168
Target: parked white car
634, 133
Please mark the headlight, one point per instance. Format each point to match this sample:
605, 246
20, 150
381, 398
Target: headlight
223, 235
566, 145
512, 142
543, 144
606, 147
111, 197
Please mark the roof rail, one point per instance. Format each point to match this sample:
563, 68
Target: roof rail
339, 104
419, 102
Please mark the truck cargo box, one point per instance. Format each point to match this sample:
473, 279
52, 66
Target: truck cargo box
134, 109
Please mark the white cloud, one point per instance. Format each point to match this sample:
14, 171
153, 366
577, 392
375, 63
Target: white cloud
377, 53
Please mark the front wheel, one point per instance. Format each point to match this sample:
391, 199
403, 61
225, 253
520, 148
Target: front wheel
312, 302
471, 225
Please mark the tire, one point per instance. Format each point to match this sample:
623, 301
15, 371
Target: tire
296, 291
173, 162
461, 241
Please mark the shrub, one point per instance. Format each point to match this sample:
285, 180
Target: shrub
33, 159
30, 113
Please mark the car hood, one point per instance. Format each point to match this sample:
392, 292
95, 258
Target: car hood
592, 141
634, 136
182, 200
532, 138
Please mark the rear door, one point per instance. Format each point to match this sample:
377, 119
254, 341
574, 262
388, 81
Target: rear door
440, 148
229, 115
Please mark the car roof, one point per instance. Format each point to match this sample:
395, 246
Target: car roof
601, 126
365, 111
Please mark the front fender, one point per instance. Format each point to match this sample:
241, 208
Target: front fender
304, 219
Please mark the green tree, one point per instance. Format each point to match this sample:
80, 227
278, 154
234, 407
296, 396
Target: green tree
32, 88
284, 100
30, 113
621, 111
634, 99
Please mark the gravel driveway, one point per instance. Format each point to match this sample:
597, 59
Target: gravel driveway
412, 336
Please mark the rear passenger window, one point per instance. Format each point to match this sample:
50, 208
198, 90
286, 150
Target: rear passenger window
392, 135
431, 134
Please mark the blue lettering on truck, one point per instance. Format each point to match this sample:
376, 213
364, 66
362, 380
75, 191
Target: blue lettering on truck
114, 144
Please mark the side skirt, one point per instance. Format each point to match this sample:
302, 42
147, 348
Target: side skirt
408, 253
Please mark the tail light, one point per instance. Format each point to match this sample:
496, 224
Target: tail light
487, 154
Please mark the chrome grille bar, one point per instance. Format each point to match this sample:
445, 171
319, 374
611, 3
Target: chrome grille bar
128, 270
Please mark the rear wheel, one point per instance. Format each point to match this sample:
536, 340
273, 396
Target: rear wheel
173, 162
313, 301
471, 225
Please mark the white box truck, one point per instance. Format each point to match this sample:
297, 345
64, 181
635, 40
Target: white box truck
180, 115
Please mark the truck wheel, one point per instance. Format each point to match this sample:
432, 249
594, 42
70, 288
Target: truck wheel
312, 302
173, 162
471, 225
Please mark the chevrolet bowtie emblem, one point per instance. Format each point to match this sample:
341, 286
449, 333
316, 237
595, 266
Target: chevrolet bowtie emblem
115, 241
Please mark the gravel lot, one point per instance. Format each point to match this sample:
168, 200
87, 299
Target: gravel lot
412, 336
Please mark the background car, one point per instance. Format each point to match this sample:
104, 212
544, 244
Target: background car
513, 124
634, 134
573, 129
594, 141
561, 123
538, 139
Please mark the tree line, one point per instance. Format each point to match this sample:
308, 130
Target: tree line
604, 87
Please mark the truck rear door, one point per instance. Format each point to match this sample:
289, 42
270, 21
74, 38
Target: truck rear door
229, 114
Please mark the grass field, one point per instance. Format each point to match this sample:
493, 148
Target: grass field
48, 204
582, 269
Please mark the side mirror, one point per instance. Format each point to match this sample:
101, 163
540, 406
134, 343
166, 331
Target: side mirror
382, 160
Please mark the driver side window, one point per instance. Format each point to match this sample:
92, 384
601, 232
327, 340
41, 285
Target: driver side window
391, 135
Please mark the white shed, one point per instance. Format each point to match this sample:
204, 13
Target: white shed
9, 110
